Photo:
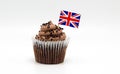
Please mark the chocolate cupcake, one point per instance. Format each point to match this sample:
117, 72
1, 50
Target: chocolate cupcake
50, 44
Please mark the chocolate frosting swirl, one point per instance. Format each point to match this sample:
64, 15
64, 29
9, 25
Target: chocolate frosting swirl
50, 32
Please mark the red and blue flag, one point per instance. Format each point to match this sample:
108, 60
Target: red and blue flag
69, 19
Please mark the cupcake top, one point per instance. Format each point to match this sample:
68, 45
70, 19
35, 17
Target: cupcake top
50, 32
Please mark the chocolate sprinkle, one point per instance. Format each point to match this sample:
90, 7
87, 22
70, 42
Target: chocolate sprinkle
60, 28
48, 26
51, 39
50, 33
56, 31
49, 22
56, 26
44, 24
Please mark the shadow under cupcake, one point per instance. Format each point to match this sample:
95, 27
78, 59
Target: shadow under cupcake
50, 44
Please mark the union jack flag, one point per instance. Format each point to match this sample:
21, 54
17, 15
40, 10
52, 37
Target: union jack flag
69, 19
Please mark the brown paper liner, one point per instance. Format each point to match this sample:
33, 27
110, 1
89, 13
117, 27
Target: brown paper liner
50, 52
49, 56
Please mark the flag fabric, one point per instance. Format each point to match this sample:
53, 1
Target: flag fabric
69, 19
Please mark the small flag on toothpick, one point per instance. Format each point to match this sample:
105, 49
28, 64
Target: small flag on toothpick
69, 19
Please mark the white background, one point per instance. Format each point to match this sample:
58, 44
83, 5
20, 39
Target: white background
94, 48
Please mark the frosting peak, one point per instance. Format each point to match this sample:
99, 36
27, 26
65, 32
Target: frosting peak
50, 32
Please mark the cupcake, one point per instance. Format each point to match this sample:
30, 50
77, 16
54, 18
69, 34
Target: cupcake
50, 44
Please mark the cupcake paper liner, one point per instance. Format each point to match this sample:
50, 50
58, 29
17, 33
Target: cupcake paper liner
50, 52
